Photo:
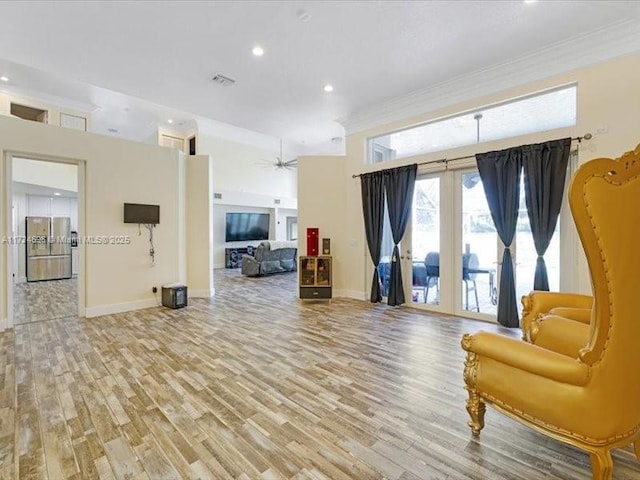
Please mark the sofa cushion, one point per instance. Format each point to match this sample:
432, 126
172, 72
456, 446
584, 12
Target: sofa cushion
270, 266
288, 258
261, 250
268, 259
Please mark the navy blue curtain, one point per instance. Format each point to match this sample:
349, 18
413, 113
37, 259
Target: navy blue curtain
545, 170
372, 187
500, 174
399, 184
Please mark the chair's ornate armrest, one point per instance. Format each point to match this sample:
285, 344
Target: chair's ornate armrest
560, 334
582, 315
538, 302
527, 357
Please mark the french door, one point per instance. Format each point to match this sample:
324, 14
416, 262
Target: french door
451, 246
451, 252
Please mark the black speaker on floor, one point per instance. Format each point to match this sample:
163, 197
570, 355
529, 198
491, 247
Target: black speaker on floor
174, 295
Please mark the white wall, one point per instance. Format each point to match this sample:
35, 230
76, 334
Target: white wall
59, 176
281, 222
245, 180
118, 277
247, 169
219, 228
608, 101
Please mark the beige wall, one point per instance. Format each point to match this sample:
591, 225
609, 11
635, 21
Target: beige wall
322, 204
118, 277
199, 225
608, 99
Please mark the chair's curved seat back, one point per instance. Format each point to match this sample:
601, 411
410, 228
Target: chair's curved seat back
432, 262
605, 202
469, 261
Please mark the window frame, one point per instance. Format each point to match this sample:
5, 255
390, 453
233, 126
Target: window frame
386, 154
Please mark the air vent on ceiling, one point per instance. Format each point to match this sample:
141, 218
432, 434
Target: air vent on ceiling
222, 80
217, 195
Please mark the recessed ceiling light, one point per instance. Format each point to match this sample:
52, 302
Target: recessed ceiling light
257, 51
4, 79
530, 1
170, 121
328, 88
57, 194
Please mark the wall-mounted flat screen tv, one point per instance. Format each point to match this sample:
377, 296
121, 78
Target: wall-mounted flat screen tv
247, 226
140, 213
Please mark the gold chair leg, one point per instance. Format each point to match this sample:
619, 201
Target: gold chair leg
475, 405
602, 465
476, 409
636, 448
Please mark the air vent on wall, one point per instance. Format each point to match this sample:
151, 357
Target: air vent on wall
277, 201
222, 80
217, 195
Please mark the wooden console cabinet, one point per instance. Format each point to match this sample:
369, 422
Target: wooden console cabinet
315, 277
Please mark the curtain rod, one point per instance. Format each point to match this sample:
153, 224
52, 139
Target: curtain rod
586, 136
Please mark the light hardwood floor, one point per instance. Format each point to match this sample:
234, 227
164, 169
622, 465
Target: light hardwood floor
257, 385
37, 301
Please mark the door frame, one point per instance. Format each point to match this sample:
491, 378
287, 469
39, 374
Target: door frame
451, 292
6, 231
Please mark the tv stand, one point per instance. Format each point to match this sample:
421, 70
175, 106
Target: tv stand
233, 255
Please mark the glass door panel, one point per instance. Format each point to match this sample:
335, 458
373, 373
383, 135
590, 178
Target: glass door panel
386, 251
525, 254
425, 242
479, 248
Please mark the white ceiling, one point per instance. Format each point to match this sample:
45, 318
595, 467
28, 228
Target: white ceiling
160, 56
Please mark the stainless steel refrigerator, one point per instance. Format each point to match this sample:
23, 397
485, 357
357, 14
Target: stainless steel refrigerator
48, 248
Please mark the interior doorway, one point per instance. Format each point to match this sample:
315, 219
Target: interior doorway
44, 239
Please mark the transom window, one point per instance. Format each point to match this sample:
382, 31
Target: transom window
535, 113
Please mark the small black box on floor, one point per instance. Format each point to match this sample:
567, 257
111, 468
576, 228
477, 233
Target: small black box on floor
174, 295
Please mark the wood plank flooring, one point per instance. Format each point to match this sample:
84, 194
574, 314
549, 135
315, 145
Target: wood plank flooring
257, 385
46, 300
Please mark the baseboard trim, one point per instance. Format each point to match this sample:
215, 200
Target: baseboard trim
355, 294
201, 293
20, 279
91, 312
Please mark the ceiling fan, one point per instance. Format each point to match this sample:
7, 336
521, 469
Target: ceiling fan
280, 163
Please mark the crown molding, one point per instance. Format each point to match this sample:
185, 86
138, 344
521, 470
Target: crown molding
598, 46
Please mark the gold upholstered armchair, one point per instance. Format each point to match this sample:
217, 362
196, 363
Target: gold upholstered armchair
589, 399
557, 321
